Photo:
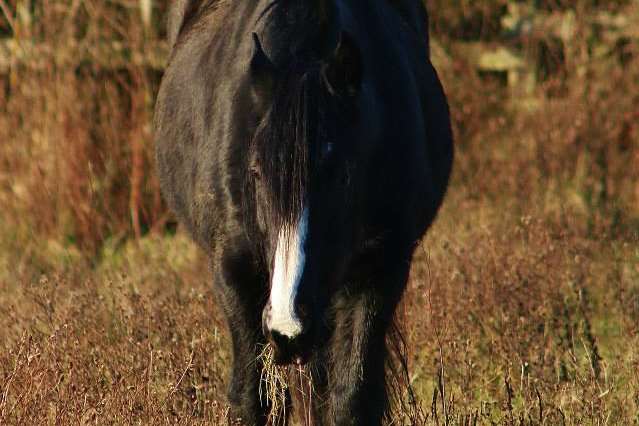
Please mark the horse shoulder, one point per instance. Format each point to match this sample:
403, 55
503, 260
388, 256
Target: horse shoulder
191, 140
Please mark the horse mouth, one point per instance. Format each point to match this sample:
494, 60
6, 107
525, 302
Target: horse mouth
291, 351
283, 359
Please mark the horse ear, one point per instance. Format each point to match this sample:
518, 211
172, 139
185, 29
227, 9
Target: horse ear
262, 69
343, 70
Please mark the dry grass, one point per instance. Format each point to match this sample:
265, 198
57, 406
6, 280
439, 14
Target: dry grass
278, 383
273, 386
81, 137
523, 304
507, 320
117, 343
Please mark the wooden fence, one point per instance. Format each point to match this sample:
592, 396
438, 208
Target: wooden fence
522, 22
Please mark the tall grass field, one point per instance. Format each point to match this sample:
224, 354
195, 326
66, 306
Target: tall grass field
523, 300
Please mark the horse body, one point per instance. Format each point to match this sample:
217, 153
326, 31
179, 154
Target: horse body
306, 145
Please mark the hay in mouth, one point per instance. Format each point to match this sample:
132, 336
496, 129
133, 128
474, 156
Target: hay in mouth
274, 388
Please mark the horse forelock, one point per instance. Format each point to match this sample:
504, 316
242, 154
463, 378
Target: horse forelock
294, 28
295, 33
289, 141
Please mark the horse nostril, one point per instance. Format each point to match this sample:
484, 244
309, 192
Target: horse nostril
303, 312
266, 319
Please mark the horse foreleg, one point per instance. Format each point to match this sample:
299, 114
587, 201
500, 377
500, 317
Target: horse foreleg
239, 291
358, 393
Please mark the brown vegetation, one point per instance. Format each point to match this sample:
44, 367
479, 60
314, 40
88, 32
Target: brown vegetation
523, 306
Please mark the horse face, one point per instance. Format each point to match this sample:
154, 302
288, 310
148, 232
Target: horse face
306, 159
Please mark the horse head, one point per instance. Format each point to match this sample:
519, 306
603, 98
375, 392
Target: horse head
308, 167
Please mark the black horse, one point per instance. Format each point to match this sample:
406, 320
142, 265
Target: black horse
306, 145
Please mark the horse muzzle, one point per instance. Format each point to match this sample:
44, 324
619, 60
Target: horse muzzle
292, 340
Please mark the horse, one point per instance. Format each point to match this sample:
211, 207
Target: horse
306, 146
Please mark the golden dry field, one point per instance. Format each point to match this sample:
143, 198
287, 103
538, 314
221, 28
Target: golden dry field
523, 303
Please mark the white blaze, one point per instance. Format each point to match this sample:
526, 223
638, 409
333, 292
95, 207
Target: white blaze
287, 272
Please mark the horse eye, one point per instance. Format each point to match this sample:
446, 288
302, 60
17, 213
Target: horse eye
255, 172
346, 177
328, 149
